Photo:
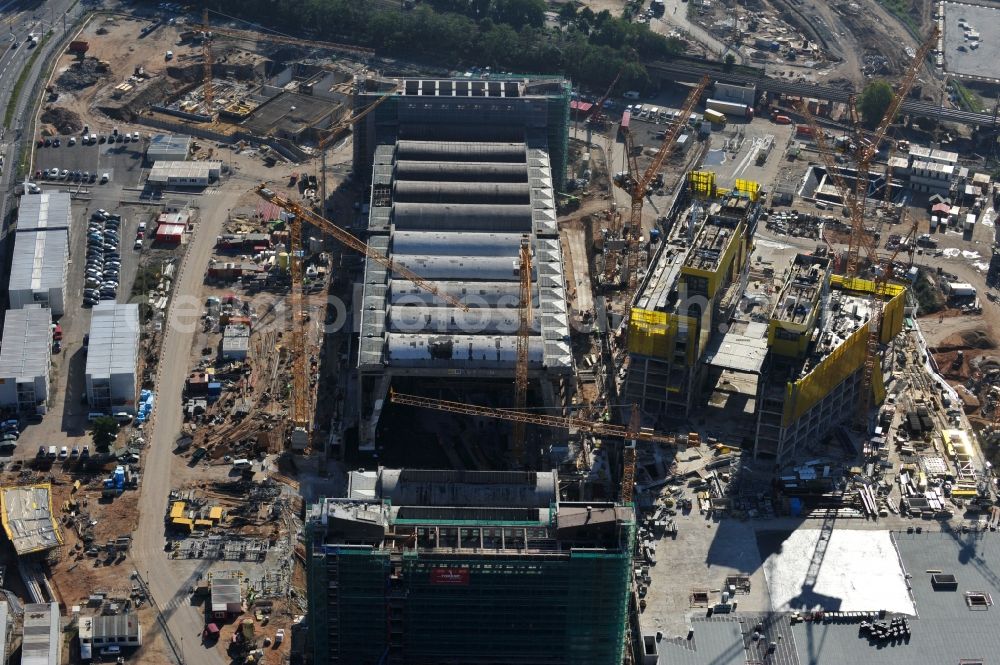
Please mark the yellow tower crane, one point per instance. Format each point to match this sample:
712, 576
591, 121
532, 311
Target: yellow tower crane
523, 336
301, 392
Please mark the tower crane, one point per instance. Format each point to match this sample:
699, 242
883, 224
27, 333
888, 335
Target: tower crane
301, 392
631, 433
638, 185
259, 36
523, 332
206, 53
869, 149
598, 107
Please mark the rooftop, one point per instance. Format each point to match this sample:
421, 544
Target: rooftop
48, 210
114, 340
717, 232
25, 352
227, 594
104, 627
163, 172
42, 643
40, 259
27, 518
403, 487
170, 144
933, 155
799, 295
290, 113
739, 351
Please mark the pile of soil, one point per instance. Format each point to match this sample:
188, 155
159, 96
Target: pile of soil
967, 340
65, 121
79, 75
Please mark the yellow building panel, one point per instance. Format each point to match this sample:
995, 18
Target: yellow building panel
203, 524
215, 513
654, 334
177, 509
802, 395
748, 189
183, 522
702, 183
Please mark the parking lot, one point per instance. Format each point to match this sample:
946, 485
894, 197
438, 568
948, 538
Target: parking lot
121, 161
66, 422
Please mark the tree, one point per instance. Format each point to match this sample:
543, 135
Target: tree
519, 13
105, 432
874, 102
567, 13
730, 60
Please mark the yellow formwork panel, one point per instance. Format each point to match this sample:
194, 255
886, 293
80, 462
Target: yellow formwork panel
647, 333
652, 333
865, 285
748, 189
702, 183
802, 395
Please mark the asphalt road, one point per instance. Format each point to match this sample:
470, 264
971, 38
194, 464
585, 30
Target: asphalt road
19, 23
168, 583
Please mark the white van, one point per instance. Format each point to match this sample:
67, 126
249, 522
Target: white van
242, 464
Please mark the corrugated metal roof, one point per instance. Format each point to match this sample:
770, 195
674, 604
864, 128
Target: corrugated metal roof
40, 259
42, 641
26, 351
169, 144
114, 339
48, 210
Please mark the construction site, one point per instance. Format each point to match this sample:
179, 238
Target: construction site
704, 374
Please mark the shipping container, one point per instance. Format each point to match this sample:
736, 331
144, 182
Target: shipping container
715, 117
626, 119
804, 130
731, 109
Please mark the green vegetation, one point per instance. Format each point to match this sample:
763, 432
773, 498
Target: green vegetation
104, 433
507, 35
874, 102
901, 10
22, 77
966, 99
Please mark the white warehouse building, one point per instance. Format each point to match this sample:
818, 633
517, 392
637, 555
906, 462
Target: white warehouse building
185, 174
26, 359
168, 148
41, 252
112, 357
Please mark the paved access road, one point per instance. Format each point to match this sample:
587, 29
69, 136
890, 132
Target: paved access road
169, 584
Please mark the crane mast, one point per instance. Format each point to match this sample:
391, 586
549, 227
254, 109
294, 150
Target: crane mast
523, 332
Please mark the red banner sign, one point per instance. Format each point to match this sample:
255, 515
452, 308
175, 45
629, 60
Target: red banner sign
453, 576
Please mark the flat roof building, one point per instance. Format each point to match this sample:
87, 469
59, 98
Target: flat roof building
38, 269
98, 632
461, 172
185, 174
26, 359
42, 642
168, 148
235, 342
227, 596
423, 566
44, 211
113, 357
28, 519
693, 286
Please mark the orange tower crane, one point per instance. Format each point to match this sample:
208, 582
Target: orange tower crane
639, 185
301, 392
869, 149
206, 52
631, 433
523, 335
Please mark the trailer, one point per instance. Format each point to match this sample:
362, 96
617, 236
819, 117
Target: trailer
731, 109
715, 117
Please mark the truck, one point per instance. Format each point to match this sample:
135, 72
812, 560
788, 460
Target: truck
804, 130
731, 109
782, 120
715, 117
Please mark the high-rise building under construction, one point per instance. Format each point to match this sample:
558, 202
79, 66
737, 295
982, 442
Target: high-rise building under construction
433, 567
461, 171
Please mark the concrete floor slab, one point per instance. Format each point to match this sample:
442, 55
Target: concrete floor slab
859, 571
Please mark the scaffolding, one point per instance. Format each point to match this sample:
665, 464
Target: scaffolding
371, 605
